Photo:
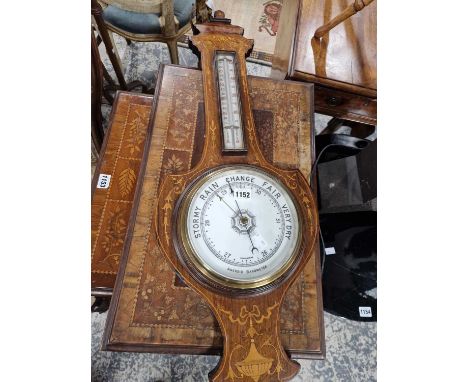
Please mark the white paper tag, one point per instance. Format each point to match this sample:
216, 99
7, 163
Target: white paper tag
330, 251
365, 311
103, 181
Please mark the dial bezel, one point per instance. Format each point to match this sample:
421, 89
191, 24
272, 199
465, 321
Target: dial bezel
195, 265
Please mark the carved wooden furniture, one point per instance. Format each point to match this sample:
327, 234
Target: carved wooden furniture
342, 63
106, 37
164, 22
349, 11
152, 309
245, 282
111, 50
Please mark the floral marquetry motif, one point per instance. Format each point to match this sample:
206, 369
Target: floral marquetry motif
234, 42
111, 206
173, 165
253, 364
137, 132
114, 237
154, 309
127, 179
248, 312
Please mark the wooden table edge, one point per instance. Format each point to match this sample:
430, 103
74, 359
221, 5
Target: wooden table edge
106, 344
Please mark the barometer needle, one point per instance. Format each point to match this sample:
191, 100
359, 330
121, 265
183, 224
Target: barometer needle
248, 231
222, 199
240, 212
230, 187
253, 246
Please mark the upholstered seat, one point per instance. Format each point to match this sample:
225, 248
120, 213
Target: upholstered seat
163, 21
146, 23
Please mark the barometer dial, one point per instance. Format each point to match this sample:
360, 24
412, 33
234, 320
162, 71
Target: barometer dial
240, 226
229, 101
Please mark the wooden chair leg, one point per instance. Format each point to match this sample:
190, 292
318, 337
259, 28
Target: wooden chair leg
107, 38
97, 131
349, 11
172, 45
116, 52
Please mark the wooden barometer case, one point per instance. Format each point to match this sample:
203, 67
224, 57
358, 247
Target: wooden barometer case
237, 229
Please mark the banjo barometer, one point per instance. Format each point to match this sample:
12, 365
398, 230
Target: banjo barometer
237, 229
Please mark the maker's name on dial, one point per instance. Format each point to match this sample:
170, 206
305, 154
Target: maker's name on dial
241, 271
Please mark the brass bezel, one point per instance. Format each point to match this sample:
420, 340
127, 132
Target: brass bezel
186, 252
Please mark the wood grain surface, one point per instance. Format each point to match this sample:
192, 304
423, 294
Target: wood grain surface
152, 309
120, 158
345, 58
248, 318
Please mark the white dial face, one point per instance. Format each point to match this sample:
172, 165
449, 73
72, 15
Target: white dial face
242, 225
229, 101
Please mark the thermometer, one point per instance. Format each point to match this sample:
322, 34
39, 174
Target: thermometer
230, 104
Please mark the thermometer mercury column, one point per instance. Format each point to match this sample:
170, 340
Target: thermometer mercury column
233, 137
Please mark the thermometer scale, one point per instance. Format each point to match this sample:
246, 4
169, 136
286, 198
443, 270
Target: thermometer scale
229, 102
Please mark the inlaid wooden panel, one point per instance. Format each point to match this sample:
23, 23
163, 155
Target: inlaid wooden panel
152, 309
110, 210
